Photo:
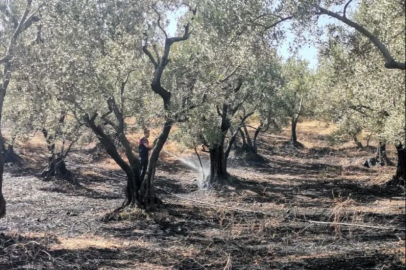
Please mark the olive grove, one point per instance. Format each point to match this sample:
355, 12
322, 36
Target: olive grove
78, 69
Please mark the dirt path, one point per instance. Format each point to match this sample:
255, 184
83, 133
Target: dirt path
263, 224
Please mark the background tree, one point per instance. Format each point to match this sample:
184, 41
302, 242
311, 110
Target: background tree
30, 108
16, 18
98, 73
237, 69
362, 93
297, 92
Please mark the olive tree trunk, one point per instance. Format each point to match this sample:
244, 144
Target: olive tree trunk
293, 137
218, 166
295, 119
9, 156
381, 156
218, 153
249, 145
56, 166
255, 139
147, 194
131, 169
357, 142
2, 200
399, 179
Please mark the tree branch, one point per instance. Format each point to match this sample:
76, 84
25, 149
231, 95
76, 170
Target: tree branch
64, 155
276, 23
185, 36
121, 132
218, 111
299, 110
156, 53
161, 64
32, 19
159, 23
108, 121
111, 102
345, 8
38, 38
23, 24
149, 54
390, 63
22, 21
235, 109
230, 143
107, 143
238, 88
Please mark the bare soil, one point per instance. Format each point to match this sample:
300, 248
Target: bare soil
310, 208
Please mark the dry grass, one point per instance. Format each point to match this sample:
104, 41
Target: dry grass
341, 213
85, 242
318, 127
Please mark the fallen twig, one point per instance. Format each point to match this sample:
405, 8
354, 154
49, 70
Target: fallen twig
353, 225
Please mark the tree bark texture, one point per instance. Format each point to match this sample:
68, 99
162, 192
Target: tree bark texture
131, 170
218, 166
147, 194
399, 179
381, 156
293, 137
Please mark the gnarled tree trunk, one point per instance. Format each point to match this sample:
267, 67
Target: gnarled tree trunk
295, 119
254, 141
381, 156
131, 170
9, 156
147, 194
247, 134
218, 166
357, 142
249, 145
218, 153
261, 128
293, 137
2, 200
56, 162
399, 179
56, 168
244, 141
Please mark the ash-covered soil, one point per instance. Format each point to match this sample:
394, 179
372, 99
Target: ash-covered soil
310, 208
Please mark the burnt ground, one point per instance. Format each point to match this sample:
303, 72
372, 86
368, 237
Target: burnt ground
272, 219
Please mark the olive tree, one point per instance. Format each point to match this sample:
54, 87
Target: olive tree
297, 92
362, 93
159, 57
16, 17
95, 54
237, 69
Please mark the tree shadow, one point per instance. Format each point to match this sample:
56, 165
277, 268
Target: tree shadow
175, 186
82, 191
353, 261
18, 252
318, 189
